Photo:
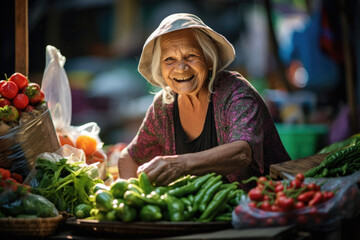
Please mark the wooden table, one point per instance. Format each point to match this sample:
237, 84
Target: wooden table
292, 167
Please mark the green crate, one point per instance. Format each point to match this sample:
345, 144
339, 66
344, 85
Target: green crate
302, 140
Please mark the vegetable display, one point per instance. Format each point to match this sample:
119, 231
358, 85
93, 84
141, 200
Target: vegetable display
137, 199
16, 199
66, 184
306, 202
20, 101
342, 162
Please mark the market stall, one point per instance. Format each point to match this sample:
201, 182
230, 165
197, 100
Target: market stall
56, 184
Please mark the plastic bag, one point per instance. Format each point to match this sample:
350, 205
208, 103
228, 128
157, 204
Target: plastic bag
92, 130
55, 85
70, 153
17, 201
322, 217
20, 146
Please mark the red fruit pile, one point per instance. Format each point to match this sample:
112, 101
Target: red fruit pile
277, 196
18, 94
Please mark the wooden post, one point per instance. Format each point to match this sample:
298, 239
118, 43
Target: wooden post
21, 37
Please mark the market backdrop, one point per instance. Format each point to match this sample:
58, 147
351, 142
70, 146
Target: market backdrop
298, 56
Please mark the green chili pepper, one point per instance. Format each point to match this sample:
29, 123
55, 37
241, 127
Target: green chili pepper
175, 208
134, 181
204, 188
133, 198
150, 213
219, 198
225, 217
138, 200
145, 184
135, 188
190, 187
161, 190
181, 181
208, 195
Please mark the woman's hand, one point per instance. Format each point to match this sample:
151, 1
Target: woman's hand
163, 170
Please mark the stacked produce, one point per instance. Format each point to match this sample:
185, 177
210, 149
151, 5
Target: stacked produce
16, 199
190, 198
340, 162
65, 183
20, 102
88, 144
299, 201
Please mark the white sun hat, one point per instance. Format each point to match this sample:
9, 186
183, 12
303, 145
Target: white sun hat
181, 21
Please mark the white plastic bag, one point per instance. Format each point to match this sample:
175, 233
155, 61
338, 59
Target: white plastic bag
55, 85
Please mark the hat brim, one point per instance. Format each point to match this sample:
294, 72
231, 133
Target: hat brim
178, 22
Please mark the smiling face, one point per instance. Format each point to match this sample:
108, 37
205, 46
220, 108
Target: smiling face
183, 64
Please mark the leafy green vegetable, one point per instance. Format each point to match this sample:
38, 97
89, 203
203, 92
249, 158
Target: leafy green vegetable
66, 184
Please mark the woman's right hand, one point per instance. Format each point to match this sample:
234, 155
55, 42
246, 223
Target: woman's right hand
163, 170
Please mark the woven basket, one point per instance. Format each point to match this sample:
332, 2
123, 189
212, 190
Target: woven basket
39, 227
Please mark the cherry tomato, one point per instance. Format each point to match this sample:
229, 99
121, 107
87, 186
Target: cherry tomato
300, 177
286, 203
19, 79
265, 205
9, 90
295, 183
21, 101
4, 102
279, 188
299, 205
255, 194
328, 195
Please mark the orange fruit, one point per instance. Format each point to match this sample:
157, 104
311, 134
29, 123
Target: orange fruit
87, 144
65, 140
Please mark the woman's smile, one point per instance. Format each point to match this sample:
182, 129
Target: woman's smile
183, 79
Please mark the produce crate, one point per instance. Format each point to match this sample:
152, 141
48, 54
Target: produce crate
302, 140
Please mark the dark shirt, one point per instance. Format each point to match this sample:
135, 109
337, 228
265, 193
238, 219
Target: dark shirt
206, 140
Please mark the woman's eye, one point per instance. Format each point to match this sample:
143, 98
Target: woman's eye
168, 59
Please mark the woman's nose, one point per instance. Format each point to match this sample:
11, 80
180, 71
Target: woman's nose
183, 66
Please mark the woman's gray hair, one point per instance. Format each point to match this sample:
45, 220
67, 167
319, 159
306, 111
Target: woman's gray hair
211, 55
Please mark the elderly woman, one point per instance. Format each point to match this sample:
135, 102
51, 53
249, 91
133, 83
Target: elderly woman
205, 119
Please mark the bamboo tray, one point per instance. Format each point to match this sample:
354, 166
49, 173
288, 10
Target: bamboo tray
145, 228
34, 227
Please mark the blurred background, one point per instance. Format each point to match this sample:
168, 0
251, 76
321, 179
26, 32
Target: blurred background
302, 56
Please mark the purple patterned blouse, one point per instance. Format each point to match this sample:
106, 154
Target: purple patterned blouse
240, 114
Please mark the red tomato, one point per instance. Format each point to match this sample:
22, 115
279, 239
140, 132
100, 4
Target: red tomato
2, 82
39, 98
29, 108
300, 177
31, 90
4, 102
255, 194
11, 115
265, 205
20, 80
9, 90
21, 101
